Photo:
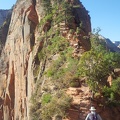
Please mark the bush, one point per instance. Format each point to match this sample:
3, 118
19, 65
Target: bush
107, 91
46, 98
46, 18
116, 86
57, 106
72, 31
35, 110
54, 69
41, 55
112, 94
74, 82
58, 44
78, 30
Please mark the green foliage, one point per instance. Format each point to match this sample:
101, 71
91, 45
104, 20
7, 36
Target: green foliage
74, 82
35, 108
81, 24
113, 60
97, 64
47, 6
36, 71
116, 86
62, 71
112, 93
107, 91
41, 55
59, 18
72, 66
63, 13
35, 112
64, 76
57, 106
67, 53
78, 30
46, 98
71, 31
85, 37
48, 17
97, 43
50, 105
57, 44
57, 12
55, 67
65, 71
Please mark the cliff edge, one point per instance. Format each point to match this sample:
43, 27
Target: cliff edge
37, 37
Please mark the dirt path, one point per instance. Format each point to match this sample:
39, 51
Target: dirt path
81, 102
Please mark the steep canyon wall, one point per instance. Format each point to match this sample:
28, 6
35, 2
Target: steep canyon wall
18, 55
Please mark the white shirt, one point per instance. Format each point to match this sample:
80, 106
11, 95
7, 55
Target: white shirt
93, 112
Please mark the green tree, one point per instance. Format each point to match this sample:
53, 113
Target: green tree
112, 93
97, 64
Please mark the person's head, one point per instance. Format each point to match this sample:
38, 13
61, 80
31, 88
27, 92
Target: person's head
33, 2
92, 109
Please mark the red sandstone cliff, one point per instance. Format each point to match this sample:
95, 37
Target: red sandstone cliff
18, 55
18, 62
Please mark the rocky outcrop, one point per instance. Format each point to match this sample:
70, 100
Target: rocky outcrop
110, 46
3, 16
16, 68
4, 28
117, 43
19, 56
31, 48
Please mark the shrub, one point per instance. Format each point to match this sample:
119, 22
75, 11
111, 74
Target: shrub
74, 82
57, 106
71, 31
112, 93
46, 18
116, 86
46, 98
41, 55
35, 110
78, 30
58, 44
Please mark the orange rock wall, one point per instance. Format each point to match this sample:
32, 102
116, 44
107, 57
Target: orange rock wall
18, 62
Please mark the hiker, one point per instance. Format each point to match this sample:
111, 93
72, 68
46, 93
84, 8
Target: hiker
93, 115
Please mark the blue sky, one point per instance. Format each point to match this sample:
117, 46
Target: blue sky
104, 14
6, 4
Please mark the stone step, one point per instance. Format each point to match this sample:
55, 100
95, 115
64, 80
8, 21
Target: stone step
74, 114
83, 109
63, 28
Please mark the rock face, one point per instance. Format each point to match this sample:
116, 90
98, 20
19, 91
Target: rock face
4, 28
110, 46
3, 15
18, 57
117, 43
31, 48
